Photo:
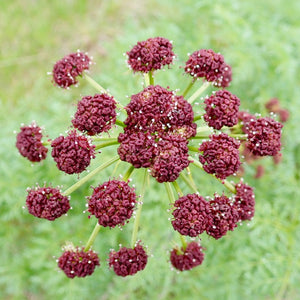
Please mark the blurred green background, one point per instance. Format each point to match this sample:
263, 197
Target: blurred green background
259, 39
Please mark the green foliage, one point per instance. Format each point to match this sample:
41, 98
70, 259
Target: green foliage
260, 39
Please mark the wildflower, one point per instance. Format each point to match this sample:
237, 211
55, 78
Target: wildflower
47, 203
225, 216
221, 109
220, 155
244, 201
95, 114
78, 263
150, 55
29, 143
112, 203
273, 105
128, 261
224, 80
187, 259
66, 70
191, 215
264, 136
72, 153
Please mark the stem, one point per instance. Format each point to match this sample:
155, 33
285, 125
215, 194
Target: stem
239, 136
177, 188
147, 79
183, 242
188, 87
151, 79
197, 118
226, 183
202, 88
106, 144
199, 136
169, 192
102, 139
92, 237
190, 183
120, 123
83, 180
128, 173
139, 210
193, 148
46, 143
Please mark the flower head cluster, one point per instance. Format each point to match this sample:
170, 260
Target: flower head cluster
156, 132
66, 70
245, 201
186, 259
112, 203
220, 155
225, 216
273, 106
47, 203
95, 114
75, 262
128, 261
264, 136
72, 153
192, 215
221, 109
29, 143
150, 55
205, 63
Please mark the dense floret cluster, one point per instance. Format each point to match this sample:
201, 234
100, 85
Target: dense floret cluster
47, 203
95, 114
66, 70
186, 259
29, 143
112, 203
150, 55
72, 153
128, 261
75, 262
220, 155
221, 109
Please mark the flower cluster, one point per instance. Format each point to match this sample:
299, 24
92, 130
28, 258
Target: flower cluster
159, 134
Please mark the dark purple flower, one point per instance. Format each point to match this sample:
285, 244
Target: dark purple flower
29, 143
244, 201
66, 70
95, 114
149, 55
225, 216
47, 203
264, 136
220, 155
207, 64
72, 153
187, 259
112, 203
128, 261
226, 77
191, 215
221, 109
75, 262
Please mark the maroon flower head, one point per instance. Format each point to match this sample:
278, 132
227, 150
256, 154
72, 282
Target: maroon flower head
206, 63
220, 155
47, 203
72, 153
187, 259
75, 262
128, 261
112, 203
273, 105
150, 55
171, 159
244, 200
245, 117
226, 78
264, 136
95, 114
66, 70
29, 143
221, 109
191, 215
225, 216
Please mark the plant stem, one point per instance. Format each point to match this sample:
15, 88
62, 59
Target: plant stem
147, 79
169, 192
190, 183
106, 144
83, 180
177, 188
202, 88
189, 87
103, 139
120, 123
92, 237
199, 136
46, 143
139, 210
197, 118
128, 173
238, 136
183, 242
193, 148
151, 78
